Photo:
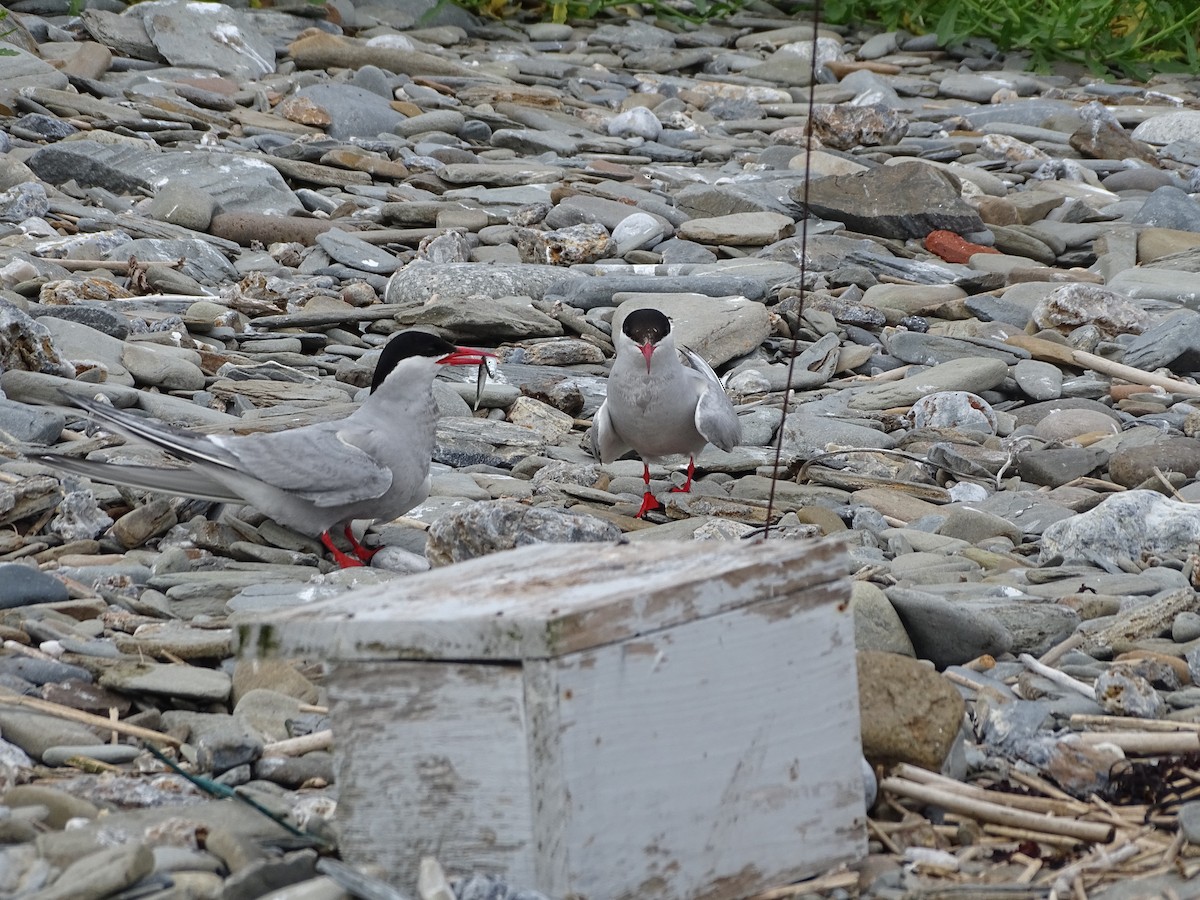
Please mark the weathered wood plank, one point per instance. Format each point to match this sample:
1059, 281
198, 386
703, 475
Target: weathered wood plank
726, 766
431, 761
544, 600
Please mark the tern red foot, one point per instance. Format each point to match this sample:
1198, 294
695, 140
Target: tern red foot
687, 485
343, 561
359, 550
648, 501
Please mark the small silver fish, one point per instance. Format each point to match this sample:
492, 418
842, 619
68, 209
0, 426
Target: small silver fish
487, 368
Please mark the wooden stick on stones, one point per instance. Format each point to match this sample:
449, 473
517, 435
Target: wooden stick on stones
1049, 351
985, 811
86, 718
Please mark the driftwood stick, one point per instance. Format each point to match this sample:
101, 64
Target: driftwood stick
1032, 867
298, 746
1060, 678
1017, 801
85, 718
1124, 723
961, 680
884, 837
831, 882
1037, 783
1024, 834
984, 811
1100, 860
1147, 743
1059, 650
1048, 351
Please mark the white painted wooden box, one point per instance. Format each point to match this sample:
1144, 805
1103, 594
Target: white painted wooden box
600, 722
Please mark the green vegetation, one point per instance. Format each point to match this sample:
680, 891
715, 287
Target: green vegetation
5, 51
1123, 37
1127, 37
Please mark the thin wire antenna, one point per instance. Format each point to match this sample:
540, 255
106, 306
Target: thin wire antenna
787, 387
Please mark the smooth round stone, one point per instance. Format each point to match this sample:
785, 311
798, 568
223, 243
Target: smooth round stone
1039, 380
676, 250
1169, 207
1155, 243
945, 632
62, 805
636, 122
1186, 627
1056, 467
637, 231
548, 31
375, 80
160, 369
42, 671
876, 624
475, 132
1067, 424
116, 754
971, 375
182, 205
353, 111
446, 120
22, 585
1139, 178
879, 45
975, 526
294, 771
1131, 466
31, 424
1171, 126
1189, 821
910, 713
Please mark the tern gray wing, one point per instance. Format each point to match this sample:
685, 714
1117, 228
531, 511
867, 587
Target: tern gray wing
700, 365
314, 463
607, 445
716, 419
189, 482
181, 442
325, 466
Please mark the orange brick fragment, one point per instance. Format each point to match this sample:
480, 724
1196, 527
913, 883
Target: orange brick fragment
953, 248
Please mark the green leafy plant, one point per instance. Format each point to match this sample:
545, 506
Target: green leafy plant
6, 51
1127, 37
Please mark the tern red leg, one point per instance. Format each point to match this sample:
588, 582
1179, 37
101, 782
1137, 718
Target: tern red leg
343, 561
359, 550
687, 486
648, 501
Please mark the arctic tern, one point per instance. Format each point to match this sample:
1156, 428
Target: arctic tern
657, 405
372, 464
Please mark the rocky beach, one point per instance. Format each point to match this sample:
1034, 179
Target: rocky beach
960, 327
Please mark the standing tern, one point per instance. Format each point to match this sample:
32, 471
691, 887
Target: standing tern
372, 464
657, 405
